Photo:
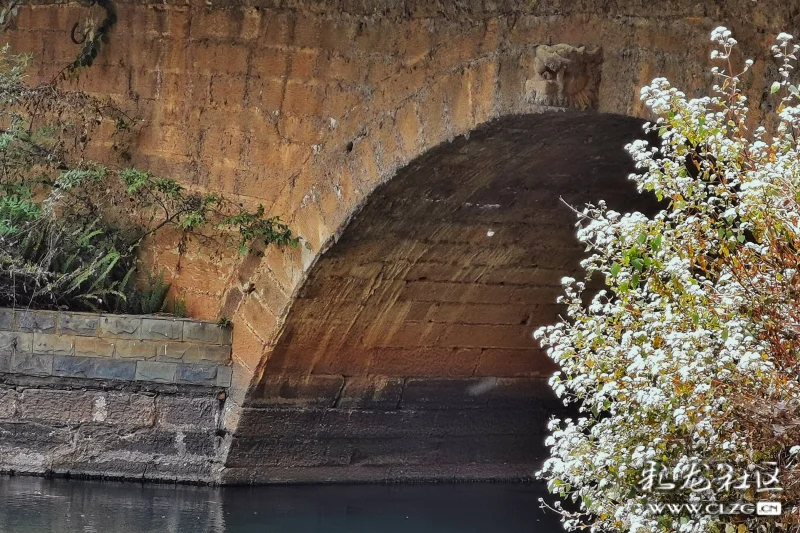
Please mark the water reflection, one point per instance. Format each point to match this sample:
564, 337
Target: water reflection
34, 505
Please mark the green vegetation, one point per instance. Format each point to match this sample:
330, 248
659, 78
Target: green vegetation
71, 229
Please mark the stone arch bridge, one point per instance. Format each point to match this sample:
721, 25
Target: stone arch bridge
422, 150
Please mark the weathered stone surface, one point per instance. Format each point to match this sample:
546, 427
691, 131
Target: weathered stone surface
115, 369
14, 342
155, 371
49, 344
207, 353
202, 332
83, 324
41, 321
162, 329
308, 390
130, 409
120, 327
56, 405
6, 319
224, 376
94, 347
135, 349
31, 364
186, 413
8, 403
74, 367
371, 393
75, 352
98, 433
196, 374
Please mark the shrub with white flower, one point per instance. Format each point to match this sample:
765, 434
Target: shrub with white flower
691, 354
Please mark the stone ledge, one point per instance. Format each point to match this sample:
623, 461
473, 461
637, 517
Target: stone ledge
111, 326
115, 347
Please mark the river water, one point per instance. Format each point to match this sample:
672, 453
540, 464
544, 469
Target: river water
36, 505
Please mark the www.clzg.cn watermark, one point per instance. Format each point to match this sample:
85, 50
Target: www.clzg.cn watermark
704, 480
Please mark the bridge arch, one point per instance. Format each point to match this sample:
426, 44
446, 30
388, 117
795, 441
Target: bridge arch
308, 107
408, 351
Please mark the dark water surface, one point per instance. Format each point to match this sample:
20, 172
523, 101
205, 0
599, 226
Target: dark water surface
35, 505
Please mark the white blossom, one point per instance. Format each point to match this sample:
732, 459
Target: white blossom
653, 361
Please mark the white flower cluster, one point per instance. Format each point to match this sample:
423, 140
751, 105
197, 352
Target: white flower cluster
652, 362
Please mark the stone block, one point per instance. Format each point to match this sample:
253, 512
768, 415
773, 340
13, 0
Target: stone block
149, 441
224, 376
375, 423
58, 405
206, 332
7, 319
155, 371
199, 443
94, 347
120, 327
494, 421
131, 349
49, 344
182, 411
74, 367
36, 436
83, 324
32, 365
217, 353
310, 390
158, 329
41, 321
15, 342
172, 351
226, 335
8, 403
371, 393
5, 362
272, 451
115, 369
130, 409
447, 393
196, 374
289, 422
379, 451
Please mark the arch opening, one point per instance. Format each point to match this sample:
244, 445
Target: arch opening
408, 353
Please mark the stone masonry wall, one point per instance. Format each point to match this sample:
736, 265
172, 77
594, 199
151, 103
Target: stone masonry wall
116, 347
136, 397
307, 106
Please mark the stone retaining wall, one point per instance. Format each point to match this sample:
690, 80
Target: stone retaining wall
134, 397
116, 347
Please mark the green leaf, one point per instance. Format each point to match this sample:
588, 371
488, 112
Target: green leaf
615, 269
655, 244
776, 86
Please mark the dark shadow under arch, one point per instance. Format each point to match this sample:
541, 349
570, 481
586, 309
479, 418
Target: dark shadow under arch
408, 353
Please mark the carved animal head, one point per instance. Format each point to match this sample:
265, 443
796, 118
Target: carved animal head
565, 75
